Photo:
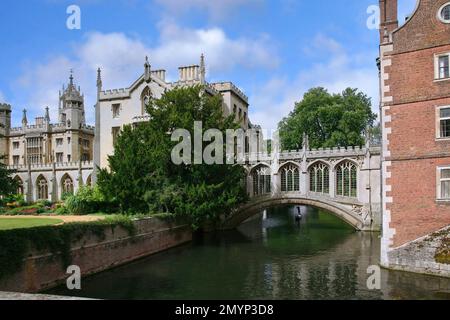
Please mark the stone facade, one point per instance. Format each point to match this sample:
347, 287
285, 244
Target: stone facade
415, 90
118, 107
50, 158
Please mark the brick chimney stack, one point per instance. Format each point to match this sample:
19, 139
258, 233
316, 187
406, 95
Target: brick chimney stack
388, 18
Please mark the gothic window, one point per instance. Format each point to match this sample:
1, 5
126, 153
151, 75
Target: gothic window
319, 178
89, 181
146, 96
290, 178
116, 110
19, 184
346, 179
261, 180
67, 184
34, 150
115, 134
59, 157
42, 188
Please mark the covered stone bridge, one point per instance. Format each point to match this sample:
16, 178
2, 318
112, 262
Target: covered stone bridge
343, 181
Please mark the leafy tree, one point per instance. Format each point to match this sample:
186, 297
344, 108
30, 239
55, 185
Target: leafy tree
330, 120
143, 178
8, 186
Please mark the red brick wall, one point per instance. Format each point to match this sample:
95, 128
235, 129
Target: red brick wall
412, 76
423, 30
415, 153
42, 270
414, 211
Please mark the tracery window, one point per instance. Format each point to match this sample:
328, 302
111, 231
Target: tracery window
290, 178
319, 178
261, 180
42, 188
346, 179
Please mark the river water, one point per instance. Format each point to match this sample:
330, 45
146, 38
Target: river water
269, 257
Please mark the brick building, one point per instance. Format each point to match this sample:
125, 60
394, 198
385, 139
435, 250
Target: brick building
415, 115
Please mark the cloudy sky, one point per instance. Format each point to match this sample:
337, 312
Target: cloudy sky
274, 50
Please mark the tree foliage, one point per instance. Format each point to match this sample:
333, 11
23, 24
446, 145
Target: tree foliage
8, 186
330, 120
142, 177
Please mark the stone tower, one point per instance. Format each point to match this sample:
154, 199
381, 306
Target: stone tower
5, 126
71, 106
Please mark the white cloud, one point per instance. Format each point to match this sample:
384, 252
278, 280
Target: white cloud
216, 9
122, 57
2, 97
336, 73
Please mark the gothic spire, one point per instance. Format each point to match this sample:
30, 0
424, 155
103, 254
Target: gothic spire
24, 118
99, 78
147, 70
71, 77
47, 114
202, 69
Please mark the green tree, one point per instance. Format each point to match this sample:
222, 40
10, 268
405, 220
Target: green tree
142, 177
330, 120
8, 186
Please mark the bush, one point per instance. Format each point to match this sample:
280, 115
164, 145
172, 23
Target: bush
88, 200
14, 201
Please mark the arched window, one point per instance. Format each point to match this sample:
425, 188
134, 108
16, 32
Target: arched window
346, 179
261, 180
146, 96
290, 178
319, 178
89, 181
42, 188
19, 184
66, 184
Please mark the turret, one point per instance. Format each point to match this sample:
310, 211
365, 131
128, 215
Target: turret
5, 118
71, 110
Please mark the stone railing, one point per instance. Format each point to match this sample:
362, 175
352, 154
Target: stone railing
49, 166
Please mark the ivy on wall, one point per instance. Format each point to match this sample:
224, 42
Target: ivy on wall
16, 244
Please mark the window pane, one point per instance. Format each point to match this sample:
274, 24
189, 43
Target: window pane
445, 113
444, 67
445, 14
445, 174
445, 128
445, 189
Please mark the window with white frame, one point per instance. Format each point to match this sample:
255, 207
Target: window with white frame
442, 66
444, 122
444, 13
444, 183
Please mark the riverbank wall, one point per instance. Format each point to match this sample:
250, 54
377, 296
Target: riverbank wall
93, 254
428, 255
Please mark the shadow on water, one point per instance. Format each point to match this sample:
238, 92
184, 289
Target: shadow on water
270, 256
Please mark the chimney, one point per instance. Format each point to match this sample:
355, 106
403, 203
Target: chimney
161, 74
189, 73
388, 18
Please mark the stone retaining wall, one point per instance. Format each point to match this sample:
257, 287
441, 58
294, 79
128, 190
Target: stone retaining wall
43, 270
421, 256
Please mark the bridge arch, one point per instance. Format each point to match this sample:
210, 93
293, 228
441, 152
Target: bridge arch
257, 205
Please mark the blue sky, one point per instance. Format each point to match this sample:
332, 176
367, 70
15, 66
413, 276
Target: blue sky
273, 50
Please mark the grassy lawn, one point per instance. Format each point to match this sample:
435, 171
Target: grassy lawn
21, 223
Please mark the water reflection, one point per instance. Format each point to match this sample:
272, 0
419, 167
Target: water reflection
268, 257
